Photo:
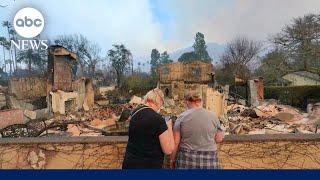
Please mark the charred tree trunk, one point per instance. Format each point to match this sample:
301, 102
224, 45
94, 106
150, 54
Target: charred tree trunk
29, 65
4, 59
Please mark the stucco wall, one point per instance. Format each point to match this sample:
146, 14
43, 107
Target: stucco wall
287, 152
236, 152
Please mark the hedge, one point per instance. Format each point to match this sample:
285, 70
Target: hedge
298, 96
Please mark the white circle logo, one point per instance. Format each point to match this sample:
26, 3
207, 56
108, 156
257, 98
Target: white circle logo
28, 22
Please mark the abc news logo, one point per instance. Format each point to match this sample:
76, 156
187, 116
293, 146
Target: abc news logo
29, 23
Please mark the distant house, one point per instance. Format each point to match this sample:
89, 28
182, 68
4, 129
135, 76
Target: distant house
302, 78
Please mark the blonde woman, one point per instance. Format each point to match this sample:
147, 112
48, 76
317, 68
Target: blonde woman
150, 136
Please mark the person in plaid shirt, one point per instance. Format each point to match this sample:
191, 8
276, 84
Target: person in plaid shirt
196, 132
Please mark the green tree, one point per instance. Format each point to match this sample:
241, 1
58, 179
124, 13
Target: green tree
155, 61
188, 57
120, 58
301, 40
165, 58
200, 48
273, 65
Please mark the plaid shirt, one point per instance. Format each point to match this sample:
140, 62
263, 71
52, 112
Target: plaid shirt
190, 159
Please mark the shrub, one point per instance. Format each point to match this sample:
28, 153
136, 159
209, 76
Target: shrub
298, 96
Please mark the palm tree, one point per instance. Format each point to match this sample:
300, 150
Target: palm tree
27, 56
31, 57
7, 61
139, 67
120, 57
6, 47
3, 44
8, 25
13, 34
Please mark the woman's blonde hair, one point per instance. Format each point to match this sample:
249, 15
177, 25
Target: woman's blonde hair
156, 96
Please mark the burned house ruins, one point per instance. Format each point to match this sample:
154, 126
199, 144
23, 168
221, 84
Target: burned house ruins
176, 79
66, 93
39, 96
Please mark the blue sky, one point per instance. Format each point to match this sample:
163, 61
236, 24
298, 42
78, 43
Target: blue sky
163, 24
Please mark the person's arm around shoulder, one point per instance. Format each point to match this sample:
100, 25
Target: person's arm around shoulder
166, 139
